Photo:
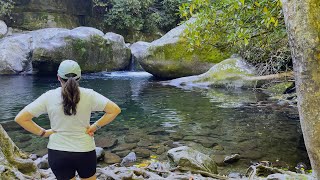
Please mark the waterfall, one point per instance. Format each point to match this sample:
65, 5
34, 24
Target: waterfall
132, 64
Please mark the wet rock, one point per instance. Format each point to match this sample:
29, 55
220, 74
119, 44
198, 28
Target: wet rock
131, 138
218, 147
159, 132
176, 136
190, 138
41, 152
190, 159
206, 142
252, 155
144, 143
99, 153
142, 152
42, 162
124, 147
170, 144
219, 159
161, 150
122, 153
231, 159
111, 158
24, 138
106, 142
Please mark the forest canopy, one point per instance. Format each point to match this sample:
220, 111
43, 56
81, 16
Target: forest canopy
254, 29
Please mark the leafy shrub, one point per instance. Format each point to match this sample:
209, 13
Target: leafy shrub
5, 7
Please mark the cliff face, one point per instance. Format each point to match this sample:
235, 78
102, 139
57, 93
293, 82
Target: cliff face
37, 14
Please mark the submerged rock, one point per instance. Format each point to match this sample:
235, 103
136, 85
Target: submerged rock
106, 142
190, 159
168, 57
42, 51
111, 158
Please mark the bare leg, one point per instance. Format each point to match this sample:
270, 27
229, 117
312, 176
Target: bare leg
94, 177
74, 178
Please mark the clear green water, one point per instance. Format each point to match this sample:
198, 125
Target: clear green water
217, 122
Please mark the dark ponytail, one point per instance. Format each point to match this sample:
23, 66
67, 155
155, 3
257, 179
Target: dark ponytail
70, 95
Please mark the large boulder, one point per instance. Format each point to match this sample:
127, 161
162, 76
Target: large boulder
191, 160
168, 57
38, 14
43, 50
15, 54
14, 164
232, 72
3, 29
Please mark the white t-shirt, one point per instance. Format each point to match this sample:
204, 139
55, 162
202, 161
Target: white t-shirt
70, 130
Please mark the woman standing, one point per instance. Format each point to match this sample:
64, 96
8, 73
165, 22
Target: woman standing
71, 146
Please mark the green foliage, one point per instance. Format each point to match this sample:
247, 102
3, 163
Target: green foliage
253, 28
5, 7
136, 15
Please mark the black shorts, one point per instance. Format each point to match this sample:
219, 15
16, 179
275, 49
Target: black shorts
65, 164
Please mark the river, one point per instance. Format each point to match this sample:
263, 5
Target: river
217, 122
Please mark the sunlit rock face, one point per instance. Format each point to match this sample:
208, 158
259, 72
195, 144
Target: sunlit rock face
169, 58
42, 51
37, 14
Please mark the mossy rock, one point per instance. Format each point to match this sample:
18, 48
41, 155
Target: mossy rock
232, 72
173, 60
14, 163
278, 88
169, 57
92, 55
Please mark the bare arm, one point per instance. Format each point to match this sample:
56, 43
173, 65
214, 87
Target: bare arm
111, 112
24, 119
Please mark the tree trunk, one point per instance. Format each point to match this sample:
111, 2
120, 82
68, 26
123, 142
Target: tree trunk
303, 26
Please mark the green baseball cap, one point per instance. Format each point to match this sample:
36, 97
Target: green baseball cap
69, 67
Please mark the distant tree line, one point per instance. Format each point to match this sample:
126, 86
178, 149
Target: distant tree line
136, 15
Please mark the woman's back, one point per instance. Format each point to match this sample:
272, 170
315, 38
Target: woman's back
70, 129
